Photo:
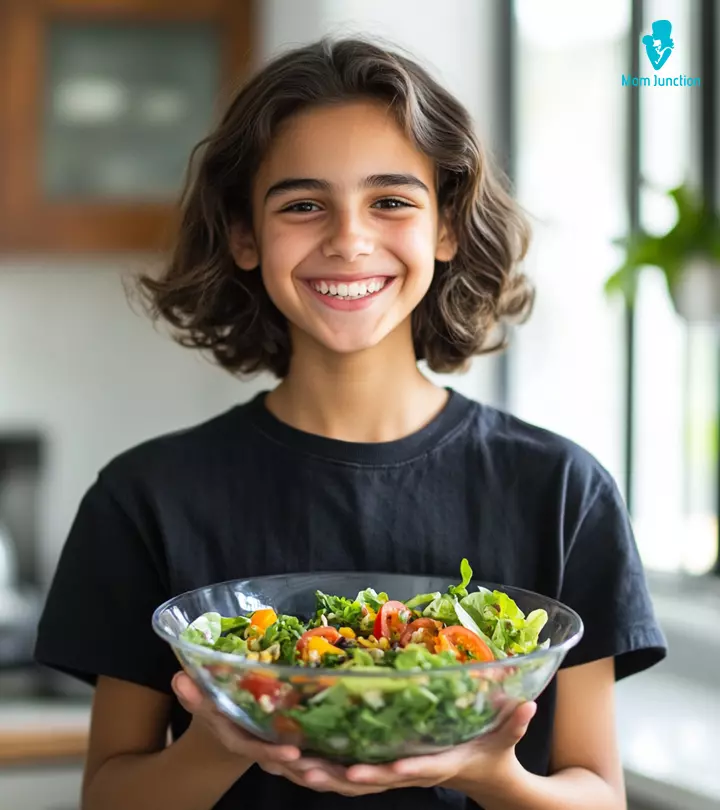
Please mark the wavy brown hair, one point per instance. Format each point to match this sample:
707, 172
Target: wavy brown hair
214, 306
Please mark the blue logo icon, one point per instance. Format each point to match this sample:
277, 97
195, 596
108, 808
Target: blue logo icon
658, 45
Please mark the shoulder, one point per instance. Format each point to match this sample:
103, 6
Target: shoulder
167, 460
522, 450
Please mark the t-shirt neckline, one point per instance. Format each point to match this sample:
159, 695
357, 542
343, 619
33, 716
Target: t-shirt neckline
416, 444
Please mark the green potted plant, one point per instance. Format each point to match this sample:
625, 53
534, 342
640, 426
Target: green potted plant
688, 255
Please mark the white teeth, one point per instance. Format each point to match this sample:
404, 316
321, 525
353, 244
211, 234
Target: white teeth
349, 291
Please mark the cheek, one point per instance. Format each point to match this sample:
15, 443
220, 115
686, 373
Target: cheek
414, 243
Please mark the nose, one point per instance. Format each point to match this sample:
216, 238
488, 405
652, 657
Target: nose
349, 237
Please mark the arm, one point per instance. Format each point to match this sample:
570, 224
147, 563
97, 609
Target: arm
129, 765
586, 773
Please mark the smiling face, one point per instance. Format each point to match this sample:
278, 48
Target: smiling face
346, 227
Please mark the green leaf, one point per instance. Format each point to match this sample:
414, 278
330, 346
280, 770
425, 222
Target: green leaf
209, 625
338, 610
372, 599
422, 599
442, 609
467, 621
231, 644
285, 631
234, 623
696, 233
466, 574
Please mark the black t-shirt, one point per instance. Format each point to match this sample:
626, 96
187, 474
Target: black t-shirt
245, 495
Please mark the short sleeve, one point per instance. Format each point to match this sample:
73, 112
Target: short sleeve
605, 583
97, 617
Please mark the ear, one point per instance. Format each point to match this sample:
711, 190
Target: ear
243, 246
446, 247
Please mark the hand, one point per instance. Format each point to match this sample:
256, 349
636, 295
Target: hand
232, 738
485, 763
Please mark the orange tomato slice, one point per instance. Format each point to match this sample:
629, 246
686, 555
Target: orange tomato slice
466, 645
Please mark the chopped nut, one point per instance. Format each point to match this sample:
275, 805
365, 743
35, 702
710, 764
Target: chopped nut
266, 704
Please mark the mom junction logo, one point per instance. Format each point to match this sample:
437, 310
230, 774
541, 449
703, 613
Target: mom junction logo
659, 47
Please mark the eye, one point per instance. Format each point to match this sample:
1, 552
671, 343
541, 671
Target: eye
392, 204
301, 208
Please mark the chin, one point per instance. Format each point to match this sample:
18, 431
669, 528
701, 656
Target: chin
351, 345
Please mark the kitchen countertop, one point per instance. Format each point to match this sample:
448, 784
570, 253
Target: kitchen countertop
37, 731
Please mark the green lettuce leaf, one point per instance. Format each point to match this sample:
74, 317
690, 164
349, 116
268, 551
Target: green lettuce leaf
285, 631
500, 618
372, 599
338, 610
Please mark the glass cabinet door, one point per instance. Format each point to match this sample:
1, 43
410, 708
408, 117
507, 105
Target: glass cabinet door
124, 103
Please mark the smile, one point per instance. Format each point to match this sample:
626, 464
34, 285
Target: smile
348, 295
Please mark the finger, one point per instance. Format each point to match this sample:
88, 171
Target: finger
189, 695
443, 764
322, 781
514, 727
305, 764
245, 744
384, 775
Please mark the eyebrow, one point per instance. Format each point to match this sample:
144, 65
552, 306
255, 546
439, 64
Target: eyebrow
373, 181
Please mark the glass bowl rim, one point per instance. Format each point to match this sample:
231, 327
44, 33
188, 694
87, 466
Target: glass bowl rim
291, 670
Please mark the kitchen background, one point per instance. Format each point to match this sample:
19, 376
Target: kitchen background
100, 103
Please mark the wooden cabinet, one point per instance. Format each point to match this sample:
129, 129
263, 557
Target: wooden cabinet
101, 102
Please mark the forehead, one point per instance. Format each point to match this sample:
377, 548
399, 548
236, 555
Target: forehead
342, 143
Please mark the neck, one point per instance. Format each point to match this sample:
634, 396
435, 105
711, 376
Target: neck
375, 395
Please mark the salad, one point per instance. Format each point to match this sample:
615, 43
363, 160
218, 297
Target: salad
428, 636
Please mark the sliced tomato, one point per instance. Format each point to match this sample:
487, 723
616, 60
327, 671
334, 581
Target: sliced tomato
330, 634
281, 695
466, 645
429, 627
259, 685
391, 620
285, 725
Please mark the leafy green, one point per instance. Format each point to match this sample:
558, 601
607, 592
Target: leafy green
417, 656
234, 623
467, 621
231, 644
466, 574
696, 233
338, 610
206, 629
372, 599
442, 606
285, 631
422, 599
375, 722
498, 617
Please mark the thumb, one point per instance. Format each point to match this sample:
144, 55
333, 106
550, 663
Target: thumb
514, 728
187, 692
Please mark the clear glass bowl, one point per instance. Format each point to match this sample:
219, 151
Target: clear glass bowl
371, 716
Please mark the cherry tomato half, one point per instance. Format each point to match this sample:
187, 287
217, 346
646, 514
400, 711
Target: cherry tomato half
429, 627
464, 643
330, 634
391, 620
278, 692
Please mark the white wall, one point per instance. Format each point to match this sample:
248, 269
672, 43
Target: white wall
80, 365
